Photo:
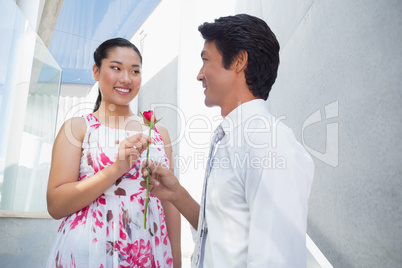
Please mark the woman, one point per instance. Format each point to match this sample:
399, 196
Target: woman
94, 180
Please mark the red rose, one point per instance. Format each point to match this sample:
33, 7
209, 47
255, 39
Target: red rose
147, 116
149, 120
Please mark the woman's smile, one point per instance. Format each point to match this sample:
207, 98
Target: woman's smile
123, 90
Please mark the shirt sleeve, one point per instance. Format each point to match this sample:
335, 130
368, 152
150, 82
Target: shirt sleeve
277, 186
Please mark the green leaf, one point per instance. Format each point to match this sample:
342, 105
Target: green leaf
145, 120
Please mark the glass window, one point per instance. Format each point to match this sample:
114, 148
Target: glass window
29, 93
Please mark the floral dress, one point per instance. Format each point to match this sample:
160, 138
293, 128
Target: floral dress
110, 232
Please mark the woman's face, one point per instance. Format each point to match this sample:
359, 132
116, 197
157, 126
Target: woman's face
119, 76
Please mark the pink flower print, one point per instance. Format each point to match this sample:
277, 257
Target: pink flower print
164, 235
162, 213
80, 217
128, 176
161, 216
122, 235
91, 117
73, 261
165, 240
124, 223
105, 160
169, 261
62, 225
134, 196
98, 223
141, 201
102, 200
117, 246
135, 176
139, 255
130, 251
93, 121
58, 265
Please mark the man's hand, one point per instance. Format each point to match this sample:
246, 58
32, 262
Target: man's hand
162, 182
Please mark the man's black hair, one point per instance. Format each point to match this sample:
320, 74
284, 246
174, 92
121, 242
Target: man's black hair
251, 34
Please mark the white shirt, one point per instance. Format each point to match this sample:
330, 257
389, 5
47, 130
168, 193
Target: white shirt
257, 194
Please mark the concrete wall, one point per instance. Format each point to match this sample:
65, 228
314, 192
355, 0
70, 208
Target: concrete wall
160, 95
26, 242
159, 46
339, 86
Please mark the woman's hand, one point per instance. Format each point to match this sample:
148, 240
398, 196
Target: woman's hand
130, 150
66, 194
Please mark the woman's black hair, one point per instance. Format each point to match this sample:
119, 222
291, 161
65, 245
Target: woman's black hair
251, 34
102, 52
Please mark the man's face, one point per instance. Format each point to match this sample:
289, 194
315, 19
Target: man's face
216, 80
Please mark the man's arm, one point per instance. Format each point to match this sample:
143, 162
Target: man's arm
277, 198
164, 184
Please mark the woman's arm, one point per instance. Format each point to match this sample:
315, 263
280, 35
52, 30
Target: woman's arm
172, 215
65, 193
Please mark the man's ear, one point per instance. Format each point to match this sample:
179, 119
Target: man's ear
240, 61
95, 71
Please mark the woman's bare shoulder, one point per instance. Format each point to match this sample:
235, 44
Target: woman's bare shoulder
74, 128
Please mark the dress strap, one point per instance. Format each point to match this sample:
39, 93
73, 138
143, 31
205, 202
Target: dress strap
91, 120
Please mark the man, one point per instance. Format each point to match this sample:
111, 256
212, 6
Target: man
254, 206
